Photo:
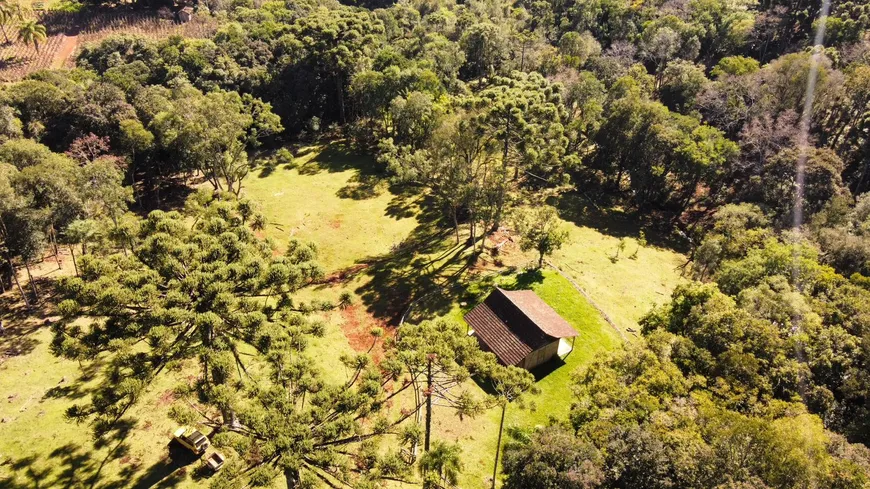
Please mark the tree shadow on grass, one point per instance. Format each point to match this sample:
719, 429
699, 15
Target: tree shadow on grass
72, 465
525, 280
337, 157
539, 373
405, 203
20, 324
545, 369
26, 468
581, 210
427, 269
363, 186
266, 170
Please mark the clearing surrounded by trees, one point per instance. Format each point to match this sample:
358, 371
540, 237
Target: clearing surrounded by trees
478, 244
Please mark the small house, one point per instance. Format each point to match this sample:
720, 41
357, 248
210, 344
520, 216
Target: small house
519, 328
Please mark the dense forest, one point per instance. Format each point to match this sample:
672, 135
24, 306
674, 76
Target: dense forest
739, 129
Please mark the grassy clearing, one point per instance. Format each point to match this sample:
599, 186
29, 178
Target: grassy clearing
625, 288
40, 448
376, 241
336, 200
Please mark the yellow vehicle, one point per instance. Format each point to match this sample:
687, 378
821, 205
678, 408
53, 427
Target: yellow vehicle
191, 439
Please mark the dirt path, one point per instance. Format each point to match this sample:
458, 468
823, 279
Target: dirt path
65, 51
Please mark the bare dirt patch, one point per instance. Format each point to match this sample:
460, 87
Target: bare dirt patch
357, 324
65, 51
166, 398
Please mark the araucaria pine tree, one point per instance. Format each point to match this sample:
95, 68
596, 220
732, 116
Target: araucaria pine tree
193, 284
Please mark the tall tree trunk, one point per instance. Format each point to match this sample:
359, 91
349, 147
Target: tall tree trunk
860, 184
133, 179
32, 283
428, 406
455, 222
17, 283
498, 444
159, 182
72, 253
293, 478
340, 91
52, 236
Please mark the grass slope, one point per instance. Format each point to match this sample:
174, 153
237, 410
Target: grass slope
335, 199
625, 288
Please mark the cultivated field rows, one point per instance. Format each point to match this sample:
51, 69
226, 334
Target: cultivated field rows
68, 32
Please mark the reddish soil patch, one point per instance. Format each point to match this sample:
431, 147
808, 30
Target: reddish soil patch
356, 325
128, 460
147, 425
64, 51
503, 250
335, 223
166, 398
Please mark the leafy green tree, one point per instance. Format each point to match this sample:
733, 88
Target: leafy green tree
665, 156
822, 182
336, 40
656, 427
439, 357
10, 202
135, 139
681, 82
736, 228
8, 13
540, 230
525, 114
485, 47
55, 195
583, 96
415, 118
459, 167
577, 48
510, 383
298, 426
735, 66
551, 457
212, 133
79, 232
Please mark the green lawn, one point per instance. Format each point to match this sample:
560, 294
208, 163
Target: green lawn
336, 200
40, 448
626, 288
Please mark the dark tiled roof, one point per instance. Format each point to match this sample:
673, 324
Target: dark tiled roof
495, 336
514, 324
